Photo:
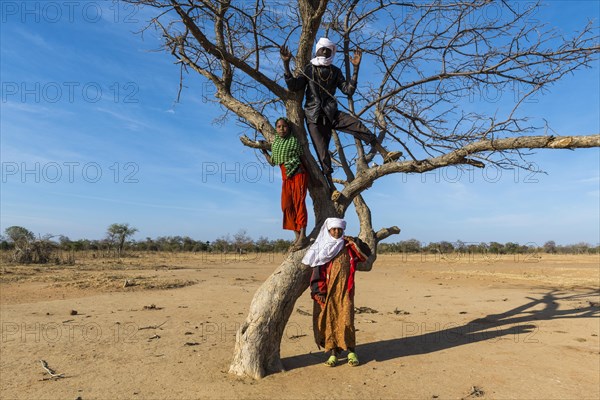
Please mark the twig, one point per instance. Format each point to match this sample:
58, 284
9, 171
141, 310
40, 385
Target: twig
476, 391
152, 326
152, 307
297, 336
53, 375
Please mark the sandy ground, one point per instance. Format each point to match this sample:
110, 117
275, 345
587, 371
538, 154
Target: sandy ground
457, 328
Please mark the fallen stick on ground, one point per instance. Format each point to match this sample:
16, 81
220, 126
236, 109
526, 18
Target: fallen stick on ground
53, 375
152, 326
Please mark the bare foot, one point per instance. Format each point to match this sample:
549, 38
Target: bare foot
299, 244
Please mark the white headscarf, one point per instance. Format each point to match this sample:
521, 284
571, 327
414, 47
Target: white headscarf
326, 246
320, 60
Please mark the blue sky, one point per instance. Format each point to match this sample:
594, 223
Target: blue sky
91, 135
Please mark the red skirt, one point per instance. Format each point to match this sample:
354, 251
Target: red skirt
293, 200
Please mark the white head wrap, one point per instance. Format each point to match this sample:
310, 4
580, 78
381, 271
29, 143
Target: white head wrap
326, 246
320, 60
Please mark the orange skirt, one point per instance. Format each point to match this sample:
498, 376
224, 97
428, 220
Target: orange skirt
293, 200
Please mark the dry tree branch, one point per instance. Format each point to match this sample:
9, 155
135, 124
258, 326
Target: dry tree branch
463, 156
220, 53
53, 375
152, 326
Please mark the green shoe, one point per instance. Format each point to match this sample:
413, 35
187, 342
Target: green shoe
332, 361
352, 359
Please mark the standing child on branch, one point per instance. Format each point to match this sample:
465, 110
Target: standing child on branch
286, 152
320, 79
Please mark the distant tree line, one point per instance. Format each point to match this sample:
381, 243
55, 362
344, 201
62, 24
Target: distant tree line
444, 247
25, 247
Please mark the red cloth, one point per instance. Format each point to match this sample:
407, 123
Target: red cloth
293, 200
318, 281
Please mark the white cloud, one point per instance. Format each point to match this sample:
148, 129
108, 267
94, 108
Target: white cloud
594, 193
503, 220
34, 39
594, 179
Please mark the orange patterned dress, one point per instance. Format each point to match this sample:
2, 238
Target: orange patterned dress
332, 288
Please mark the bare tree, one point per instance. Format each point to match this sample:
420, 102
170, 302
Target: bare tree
116, 234
22, 240
29, 249
242, 242
426, 58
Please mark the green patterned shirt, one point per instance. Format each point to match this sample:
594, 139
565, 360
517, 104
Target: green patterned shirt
287, 151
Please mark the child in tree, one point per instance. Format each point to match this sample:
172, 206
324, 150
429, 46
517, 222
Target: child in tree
319, 80
286, 152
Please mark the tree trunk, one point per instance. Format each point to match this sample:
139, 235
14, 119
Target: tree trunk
257, 344
258, 339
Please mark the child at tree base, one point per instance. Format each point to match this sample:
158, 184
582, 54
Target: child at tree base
334, 257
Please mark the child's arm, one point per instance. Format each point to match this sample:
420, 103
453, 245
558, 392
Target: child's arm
349, 86
267, 157
295, 84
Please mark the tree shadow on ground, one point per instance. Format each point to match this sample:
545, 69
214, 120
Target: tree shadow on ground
430, 337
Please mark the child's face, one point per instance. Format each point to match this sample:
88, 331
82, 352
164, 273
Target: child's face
336, 233
324, 52
282, 128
